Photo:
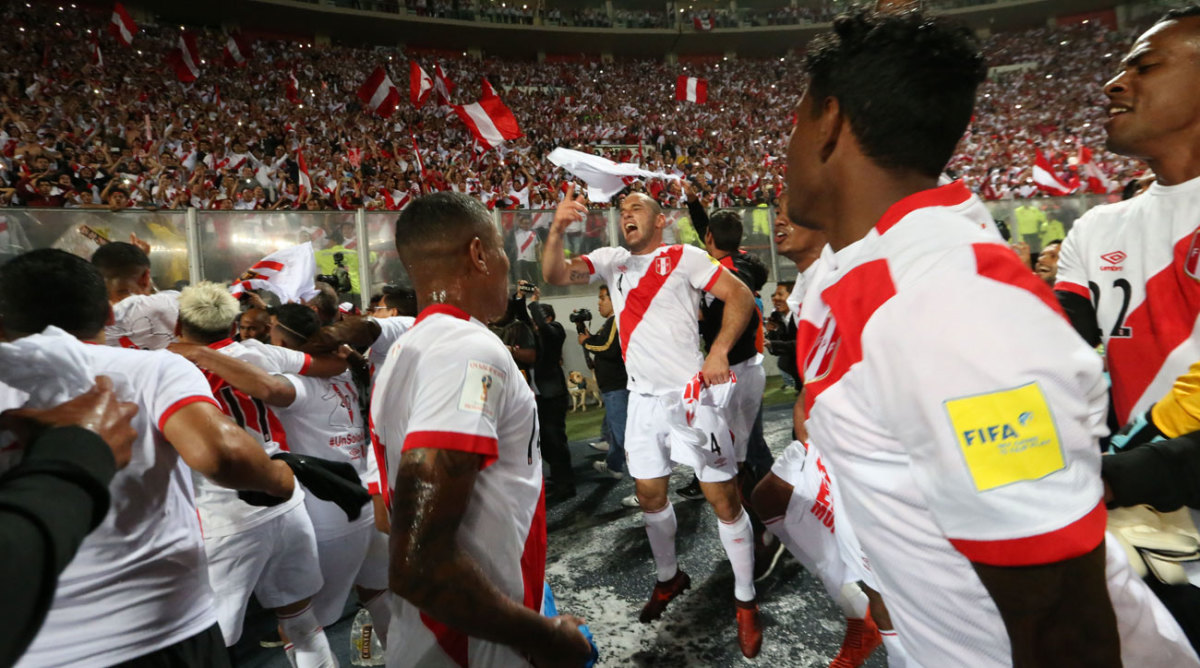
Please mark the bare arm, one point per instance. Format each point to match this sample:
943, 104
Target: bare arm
739, 307
555, 268
429, 569
216, 448
1056, 610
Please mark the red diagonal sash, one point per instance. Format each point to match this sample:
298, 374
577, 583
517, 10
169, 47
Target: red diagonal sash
640, 296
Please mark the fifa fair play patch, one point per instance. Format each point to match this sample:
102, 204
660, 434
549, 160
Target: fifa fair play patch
1006, 436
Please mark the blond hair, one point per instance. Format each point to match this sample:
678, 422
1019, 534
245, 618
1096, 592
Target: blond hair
208, 308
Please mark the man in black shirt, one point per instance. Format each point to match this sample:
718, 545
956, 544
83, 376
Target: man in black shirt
552, 398
605, 347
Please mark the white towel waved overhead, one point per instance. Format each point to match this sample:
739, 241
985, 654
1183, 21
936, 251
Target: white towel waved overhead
603, 177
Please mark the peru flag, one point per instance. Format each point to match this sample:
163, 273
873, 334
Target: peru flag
691, 89
97, 57
442, 85
490, 121
378, 94
185, 58
420, 84
121, 25
702, 24
1097, 181
305, 185
237, 50
1045, 178
488, 89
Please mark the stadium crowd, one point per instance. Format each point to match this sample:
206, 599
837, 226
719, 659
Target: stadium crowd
124, 132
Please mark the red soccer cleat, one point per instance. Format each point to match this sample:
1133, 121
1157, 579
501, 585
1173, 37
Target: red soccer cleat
664, 593
749, 628
862, 637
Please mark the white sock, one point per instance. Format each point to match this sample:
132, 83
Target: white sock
660, 529
779, 528
738, 539
290, 653
308, 641
381, 615
853, 601
896, 656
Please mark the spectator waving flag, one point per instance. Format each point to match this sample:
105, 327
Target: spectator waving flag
305, 186
703, 24
488, 89
97, 57
691, 89
1096, 180
287, 272
489, 121
378, 94
442, 85
185, 59
1045, 178
121, 25
420, 84
237, 50
292, 93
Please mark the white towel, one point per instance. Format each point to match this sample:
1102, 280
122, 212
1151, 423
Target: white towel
604, 177
52, 367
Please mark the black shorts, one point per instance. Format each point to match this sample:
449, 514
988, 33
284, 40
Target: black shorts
203, 650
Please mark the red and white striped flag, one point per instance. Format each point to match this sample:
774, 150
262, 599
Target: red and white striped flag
691, 89
292, 93
1045, 178
185, 58
489, 121
97, 57
1097, 181
442, 85
237, 50
217, 97
703, 24
121, 25
488, 89
420, 84
378, 94
305, 185
287, 272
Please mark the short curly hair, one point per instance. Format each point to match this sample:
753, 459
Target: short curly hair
905, 82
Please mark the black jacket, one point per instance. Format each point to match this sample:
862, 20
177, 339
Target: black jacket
782, 342
605, 346
48, 504
547, 371
753, 273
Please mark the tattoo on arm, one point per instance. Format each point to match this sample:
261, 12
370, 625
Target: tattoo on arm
577, 275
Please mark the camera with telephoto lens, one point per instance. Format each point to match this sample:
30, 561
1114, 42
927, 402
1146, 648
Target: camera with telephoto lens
580, 317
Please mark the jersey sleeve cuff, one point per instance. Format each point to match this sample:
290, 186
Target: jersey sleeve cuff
713, 281
186, 401
486, 446
1073, 288
373, 488
588, 262
1073, 540
307, 364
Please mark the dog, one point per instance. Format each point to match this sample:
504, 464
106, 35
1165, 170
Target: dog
581, 386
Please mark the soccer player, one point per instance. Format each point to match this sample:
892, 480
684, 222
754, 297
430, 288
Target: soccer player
655, 290
957, 408
1129, 273
138, 587
142, 318
322, 417
268, 551
455, 427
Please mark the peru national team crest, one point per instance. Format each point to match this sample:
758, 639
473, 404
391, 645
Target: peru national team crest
1191, 263
820, 358
662, 265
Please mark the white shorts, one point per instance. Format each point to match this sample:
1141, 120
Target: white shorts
650, 447
357, 558
744, 402
825, 537
276, 560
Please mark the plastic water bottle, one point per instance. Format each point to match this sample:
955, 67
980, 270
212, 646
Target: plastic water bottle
365, 649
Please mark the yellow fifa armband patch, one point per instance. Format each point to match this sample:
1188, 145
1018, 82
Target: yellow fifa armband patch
1006, 436
1179, 412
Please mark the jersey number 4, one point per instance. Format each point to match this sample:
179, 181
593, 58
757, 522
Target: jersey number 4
1119, 330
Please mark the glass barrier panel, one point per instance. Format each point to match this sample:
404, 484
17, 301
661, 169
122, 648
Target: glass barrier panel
1038, 222
82, 231
386, 269
524, 232
233, 241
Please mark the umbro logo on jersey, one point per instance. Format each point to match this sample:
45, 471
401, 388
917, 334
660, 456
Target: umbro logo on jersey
1114, 260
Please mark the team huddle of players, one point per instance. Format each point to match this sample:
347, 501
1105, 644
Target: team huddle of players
945, 483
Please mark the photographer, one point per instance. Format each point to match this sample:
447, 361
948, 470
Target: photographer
609, 364
552, 397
